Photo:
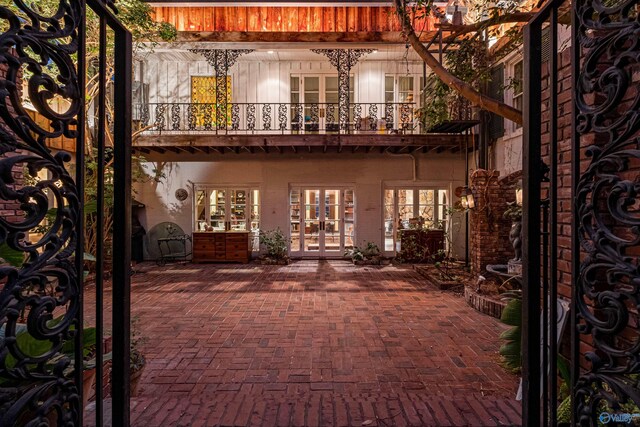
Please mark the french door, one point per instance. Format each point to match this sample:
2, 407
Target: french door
322, 221
319, 94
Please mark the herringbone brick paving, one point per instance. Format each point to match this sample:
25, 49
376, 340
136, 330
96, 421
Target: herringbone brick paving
316, 343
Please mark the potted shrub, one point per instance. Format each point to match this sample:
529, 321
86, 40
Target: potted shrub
276, 246
369, 254
137, 359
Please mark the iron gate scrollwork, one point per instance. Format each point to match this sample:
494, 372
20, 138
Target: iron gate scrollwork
607, 286
41, 290
48, 280
605, 225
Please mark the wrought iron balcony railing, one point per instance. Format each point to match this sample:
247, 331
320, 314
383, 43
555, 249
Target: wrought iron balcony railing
276, 118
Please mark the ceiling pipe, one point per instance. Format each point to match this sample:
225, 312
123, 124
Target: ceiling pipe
413, 159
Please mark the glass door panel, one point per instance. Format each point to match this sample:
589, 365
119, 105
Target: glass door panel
405, 207
389, 220
217, 207
238, 219
349, 219
312, 220
201, 210
294, 215
311, 103
331, 116
425, 208
331, 221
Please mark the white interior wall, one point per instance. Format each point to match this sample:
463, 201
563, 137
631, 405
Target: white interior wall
273, 174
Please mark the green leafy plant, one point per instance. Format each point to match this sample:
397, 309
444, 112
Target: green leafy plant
369, 251
137, 359
275, 243
10, 256
511, 350
513, 212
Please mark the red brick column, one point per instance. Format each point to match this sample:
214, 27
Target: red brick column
488, 229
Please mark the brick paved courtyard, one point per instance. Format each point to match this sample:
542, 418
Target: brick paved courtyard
316, 343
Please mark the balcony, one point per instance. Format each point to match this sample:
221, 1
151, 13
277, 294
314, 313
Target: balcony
205, 127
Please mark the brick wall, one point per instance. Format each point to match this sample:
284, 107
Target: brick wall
10, 210
489, 230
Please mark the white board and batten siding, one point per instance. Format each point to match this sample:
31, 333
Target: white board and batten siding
269, 81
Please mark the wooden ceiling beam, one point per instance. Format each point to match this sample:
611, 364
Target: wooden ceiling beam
262, 141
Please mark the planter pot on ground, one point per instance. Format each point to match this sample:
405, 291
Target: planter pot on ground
88, 383
135, 380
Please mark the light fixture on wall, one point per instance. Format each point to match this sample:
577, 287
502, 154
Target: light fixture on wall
519, 193
466, 198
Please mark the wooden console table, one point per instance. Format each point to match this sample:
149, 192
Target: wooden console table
221, 246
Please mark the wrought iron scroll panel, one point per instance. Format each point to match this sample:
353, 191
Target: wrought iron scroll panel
606, 290
42, 295
605, 224
343, 60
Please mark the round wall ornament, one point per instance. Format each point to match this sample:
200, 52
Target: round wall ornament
181, 194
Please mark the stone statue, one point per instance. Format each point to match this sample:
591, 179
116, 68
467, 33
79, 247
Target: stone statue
515, 237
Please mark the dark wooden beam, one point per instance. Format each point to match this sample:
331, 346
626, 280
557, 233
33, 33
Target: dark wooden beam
359, 37
204, 150
204, 139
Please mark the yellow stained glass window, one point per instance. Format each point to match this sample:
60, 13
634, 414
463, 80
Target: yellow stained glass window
203, 91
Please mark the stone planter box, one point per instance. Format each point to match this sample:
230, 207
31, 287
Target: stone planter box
484, 303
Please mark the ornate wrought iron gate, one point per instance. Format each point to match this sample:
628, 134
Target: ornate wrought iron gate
582, 122
42, 294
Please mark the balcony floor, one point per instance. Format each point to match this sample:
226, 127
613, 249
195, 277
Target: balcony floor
201, 142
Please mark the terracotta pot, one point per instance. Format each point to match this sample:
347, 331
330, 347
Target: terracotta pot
88, 382
135, 380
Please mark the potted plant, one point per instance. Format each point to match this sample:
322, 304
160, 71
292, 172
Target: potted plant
276, 246
369, 254
137, 359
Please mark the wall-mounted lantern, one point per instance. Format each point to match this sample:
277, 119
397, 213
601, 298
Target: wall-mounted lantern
466, 198
519, 193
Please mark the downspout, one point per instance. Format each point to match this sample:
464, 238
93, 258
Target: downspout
413, 159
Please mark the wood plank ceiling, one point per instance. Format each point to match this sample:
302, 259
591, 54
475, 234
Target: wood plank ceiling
340, 19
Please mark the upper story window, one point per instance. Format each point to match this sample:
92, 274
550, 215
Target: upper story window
517, 87
403, 92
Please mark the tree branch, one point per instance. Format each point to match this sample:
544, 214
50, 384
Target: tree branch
458, 85
460, 30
